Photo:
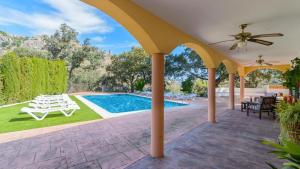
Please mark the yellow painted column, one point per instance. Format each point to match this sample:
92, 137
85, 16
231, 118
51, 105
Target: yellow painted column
242, 88
157, 117
231, 91
212, 95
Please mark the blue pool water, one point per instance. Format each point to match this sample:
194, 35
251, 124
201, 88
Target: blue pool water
118, 103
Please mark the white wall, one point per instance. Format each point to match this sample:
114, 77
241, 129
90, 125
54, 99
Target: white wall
251, 91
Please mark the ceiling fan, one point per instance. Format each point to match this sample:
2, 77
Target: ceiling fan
260, 61
243, 37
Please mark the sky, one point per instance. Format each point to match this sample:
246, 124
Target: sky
36, 17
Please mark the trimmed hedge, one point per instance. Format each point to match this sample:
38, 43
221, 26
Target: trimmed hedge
23, 78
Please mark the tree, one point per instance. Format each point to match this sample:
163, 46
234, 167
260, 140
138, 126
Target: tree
200, 87
84, 52
62, 42
91, 65
130, 67
189, 64
263, 77
64, 45
187, 85
28, 52
292, 77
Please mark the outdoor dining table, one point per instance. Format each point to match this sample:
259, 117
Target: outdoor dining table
248, 105
251, 106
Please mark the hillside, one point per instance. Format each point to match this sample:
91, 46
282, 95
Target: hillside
10, 42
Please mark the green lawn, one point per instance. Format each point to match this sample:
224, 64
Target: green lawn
12, 120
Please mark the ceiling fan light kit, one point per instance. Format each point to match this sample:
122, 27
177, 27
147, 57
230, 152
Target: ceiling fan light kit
242, 44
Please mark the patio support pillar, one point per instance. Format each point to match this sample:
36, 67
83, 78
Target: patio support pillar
242, 88
212, 95
157, 116
231, 91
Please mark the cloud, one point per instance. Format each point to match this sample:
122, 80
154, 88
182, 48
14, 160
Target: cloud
72, 12
97, 39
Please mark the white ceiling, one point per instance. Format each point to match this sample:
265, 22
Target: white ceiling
213, 20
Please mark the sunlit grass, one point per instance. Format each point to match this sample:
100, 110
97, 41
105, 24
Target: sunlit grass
12, 120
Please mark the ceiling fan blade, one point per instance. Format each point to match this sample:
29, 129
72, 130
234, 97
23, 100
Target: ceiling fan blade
269, 64
233, 46
222, 41
263, 42
266, 35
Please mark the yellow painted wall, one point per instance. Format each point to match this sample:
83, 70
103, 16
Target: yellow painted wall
243, 71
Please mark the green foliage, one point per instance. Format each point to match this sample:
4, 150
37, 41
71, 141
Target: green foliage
129, 67
23, 78
292, 77
288, 151
140, 84
289, 118
187, 85
3, 33
61, 43
4, 44
27, 52
200, 87
10, 68
189, 64
77, 57
1, 89
173, 87
262, 77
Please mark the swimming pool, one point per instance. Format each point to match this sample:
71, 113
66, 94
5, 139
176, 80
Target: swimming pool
120, 103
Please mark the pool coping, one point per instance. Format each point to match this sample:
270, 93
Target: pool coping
106, 114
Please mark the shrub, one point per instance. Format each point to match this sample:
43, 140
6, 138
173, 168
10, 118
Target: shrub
173, 87
11, 77
289, 118
187, 85
140, 84
23, 78
288, 151
1, 89
200, 88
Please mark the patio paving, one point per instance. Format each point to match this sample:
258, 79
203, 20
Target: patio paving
119, 142
232, 143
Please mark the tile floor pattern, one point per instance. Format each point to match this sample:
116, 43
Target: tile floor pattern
119, 142
232, 143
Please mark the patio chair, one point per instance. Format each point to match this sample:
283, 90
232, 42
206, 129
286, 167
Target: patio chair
265, 104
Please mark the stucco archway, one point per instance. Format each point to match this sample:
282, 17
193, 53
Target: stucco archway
159, 38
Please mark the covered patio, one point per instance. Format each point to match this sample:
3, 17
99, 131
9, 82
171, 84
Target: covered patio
191, 142
211, 133
161, 26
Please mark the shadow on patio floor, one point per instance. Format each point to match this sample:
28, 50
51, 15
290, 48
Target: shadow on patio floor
234, 142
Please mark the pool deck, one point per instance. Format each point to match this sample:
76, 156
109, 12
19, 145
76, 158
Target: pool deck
121, 141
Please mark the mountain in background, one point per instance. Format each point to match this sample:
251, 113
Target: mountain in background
10, 42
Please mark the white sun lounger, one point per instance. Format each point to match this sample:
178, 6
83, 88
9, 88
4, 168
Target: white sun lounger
48, 104
46, 111
53, 104
50, 100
